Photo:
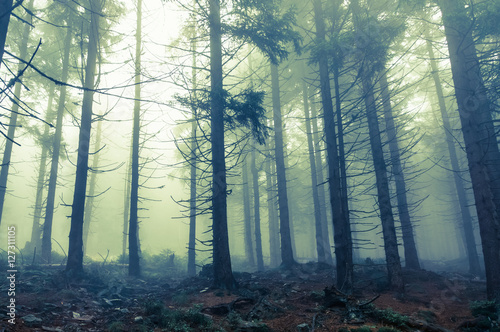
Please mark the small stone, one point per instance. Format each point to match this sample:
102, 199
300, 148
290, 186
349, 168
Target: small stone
304, 327
138, 319
31, 320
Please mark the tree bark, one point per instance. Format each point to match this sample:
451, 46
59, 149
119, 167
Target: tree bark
223, 274
320, 245
468, 230
247, 217
410, 249
191, 268
342, 229
74, 265
56, 148
274, 237
383, 194
89, 204
479, 136
126, 207
344, 196
286, 241
7, 153
36, 230
256, 214
5, 10
321, 189
134, 268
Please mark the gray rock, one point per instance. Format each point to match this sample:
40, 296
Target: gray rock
31, 320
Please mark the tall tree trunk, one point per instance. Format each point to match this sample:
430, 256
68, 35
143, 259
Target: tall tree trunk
89, 204
344, 196
320, 180
382, 183
274, 248
223, 274
320, 245
7, 153
289, 199
56, 148
126, 208
191, 268
383, 194
479, 136
256, 214
410, 249
247, 221
5, 9
342, 229
75, 250
286, 241
134, 268
470, 242
36, 230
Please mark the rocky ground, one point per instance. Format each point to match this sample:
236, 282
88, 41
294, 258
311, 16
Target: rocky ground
301, 299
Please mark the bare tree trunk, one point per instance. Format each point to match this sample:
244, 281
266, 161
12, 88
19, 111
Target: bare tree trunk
223, 274
5, 9
36, 230
410, 249
286, 241
320, 245
256, 214
470, 242
74, 265
126, 208
89, 204
344, 196
7, 153
479, 135
383, 194
274, 240
56, 148
342, 229
320, 180
191, 268
134, 268
247, 221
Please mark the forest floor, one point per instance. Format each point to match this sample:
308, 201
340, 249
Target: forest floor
301, 299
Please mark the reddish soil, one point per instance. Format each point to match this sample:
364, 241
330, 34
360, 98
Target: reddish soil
284, 301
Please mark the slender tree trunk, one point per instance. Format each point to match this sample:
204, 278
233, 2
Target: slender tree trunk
320, 245
54, 163
344, 196
342, 229
89, 204
192, 183
223, 274
134, 268
470, 242
289, 199
384, 197
126, 208
247, 221
286, 241
36, 230
5, 9
320, 180
75, 250
256, 205
274, 237
382, 183
7, 153
410, 249
479, 136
